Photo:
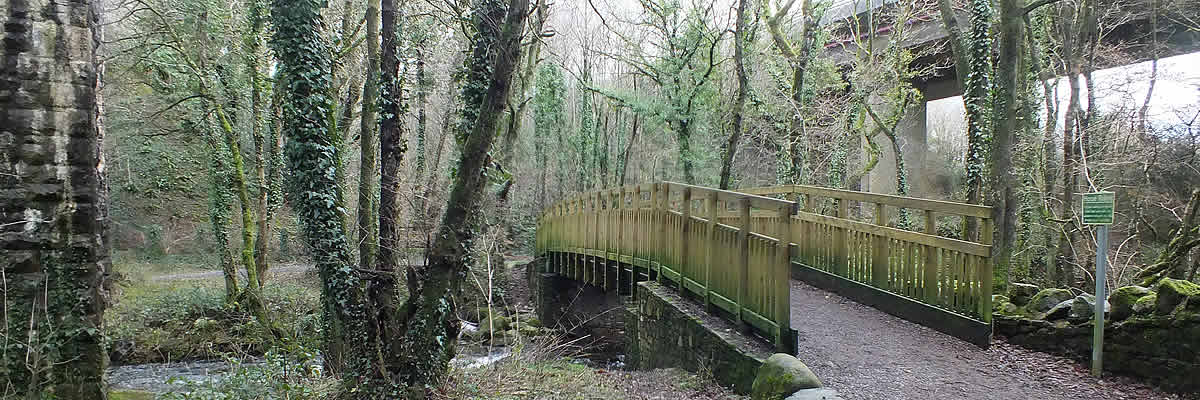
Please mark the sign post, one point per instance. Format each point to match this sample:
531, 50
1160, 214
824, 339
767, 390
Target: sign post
1098, 209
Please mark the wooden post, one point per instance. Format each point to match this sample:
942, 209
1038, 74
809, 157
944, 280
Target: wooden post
573, 208
743, 264
931, 268
782, 277
843, 251
879, 266
683, 236
711, 201
656, 223
985, 272
634, 240
598, 261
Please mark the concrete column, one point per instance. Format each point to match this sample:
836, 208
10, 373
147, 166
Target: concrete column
911, 134
915, 145
52, 199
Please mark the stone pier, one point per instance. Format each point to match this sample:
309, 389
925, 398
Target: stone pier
52, 201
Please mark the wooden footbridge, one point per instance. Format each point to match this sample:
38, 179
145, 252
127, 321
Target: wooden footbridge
725, 249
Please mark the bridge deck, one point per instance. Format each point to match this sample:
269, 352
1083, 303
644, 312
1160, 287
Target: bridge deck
867, 354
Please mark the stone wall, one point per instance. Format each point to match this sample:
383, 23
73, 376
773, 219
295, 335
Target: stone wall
579, 309
1152, 334
668, 331
52, 200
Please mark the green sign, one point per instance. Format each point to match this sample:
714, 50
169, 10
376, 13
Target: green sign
1098, 208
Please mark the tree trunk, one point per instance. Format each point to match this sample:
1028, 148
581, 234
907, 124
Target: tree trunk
798, 60
391, 139
252, 293
973, 66
975, 97
739, 105
1065, 261
258, 86
683, 134
313, 153
628, 146
218, 212
1004, 128
1049, 154
1171, 262
422, 118
368, 240
532, 59
430, 327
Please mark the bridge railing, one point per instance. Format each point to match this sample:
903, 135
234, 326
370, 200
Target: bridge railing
674, 233
853, 235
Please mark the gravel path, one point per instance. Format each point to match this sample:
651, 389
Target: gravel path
864, 353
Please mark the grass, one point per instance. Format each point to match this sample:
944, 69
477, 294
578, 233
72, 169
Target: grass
157, 320
130, 395
543, 369
172, 320
564, 380
135, 266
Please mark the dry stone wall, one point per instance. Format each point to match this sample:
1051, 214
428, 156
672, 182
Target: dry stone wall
52, 201
1150, 333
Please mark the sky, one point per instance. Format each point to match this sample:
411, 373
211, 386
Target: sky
1177, 89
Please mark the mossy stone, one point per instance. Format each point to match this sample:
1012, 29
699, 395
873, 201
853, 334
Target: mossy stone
1059, 311
1047, 299
780, 376
1021, 293
1145, 304
1122, 301
998, 300
1083, 308
528, 330
1007, 308
815, 394
1172, 292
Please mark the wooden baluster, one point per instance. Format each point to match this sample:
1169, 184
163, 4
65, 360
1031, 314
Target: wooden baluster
879, 266
931, 269
743, 264
782, 278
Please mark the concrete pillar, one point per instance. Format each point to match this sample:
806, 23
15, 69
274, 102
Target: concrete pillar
52, 200
912, 138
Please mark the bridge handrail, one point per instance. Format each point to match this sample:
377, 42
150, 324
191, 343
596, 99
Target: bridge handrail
724, 247
941, 206
951, 273
670, 228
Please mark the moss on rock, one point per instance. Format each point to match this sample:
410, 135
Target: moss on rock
998, 300
1172, 292
1145, 304
780, 376
1021, 293
1008, 309
1046, 299
1122, 301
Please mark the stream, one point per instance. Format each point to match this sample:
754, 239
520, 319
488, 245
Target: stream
174, 377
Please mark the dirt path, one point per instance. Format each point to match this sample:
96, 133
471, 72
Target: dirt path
279, 269
864, 353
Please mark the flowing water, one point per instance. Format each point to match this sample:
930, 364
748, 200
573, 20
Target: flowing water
173, 377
